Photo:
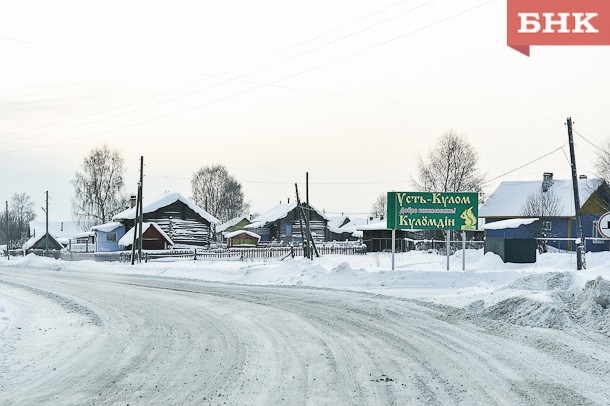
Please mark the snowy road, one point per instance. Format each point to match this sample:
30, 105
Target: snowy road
90, 338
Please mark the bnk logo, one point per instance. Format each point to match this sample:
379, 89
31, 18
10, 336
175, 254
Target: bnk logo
557, 22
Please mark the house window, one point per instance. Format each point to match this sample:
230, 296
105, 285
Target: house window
111, 237
596, 233
547, 225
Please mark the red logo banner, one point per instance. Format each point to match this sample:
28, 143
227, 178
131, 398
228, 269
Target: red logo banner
557, 22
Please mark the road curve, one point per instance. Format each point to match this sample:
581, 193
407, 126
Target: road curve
95, 339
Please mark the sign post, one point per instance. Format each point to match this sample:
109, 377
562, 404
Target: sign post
433, 211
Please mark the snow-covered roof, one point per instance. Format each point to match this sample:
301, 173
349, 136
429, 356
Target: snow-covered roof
354, 223
233, 222
154, 204
59, 229
127, 239
238, 232
278, 212
108, 227
334, 223
375, 224
510, 223
84, 234
32, 241
508, 199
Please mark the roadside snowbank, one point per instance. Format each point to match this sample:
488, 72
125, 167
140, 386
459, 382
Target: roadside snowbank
549, 293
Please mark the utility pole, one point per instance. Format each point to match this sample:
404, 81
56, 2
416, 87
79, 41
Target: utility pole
137, 223
46, 238
580, 254
8, 255
141, 209
308, 216
301, 214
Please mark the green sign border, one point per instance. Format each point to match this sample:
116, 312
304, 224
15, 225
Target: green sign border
433, 211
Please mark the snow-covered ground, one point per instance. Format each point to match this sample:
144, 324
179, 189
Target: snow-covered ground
528, 291
108, 333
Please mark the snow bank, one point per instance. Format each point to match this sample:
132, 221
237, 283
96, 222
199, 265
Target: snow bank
549, 293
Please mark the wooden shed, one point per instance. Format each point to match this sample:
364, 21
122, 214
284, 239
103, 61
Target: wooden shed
180, 218
242, 238
39, 243
153, 238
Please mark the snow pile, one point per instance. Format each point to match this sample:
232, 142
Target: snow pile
592, 305
551, 300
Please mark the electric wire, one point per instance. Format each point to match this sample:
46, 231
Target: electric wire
257, 87
218, 76
524, 165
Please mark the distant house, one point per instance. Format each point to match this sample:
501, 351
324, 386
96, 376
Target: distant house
281, 223
153, 238
508, 200
242, 238
40, 243
237, 223
180, 218
108, 236
62, 231
342, 228
378, 237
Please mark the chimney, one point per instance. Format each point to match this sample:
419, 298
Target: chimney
582, 177
547, 181
132, 201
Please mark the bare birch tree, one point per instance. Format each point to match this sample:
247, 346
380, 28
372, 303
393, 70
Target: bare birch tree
218, 192
21, 213
602, 163
450, 166
98, 186
544, 205
380, 206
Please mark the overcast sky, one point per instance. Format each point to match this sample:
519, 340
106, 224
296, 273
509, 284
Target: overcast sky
350, 90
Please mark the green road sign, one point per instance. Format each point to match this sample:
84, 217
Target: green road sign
433, 211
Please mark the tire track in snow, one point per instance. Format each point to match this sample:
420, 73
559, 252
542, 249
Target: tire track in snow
282, 345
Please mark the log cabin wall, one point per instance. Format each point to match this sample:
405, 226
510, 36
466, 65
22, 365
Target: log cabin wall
182, 224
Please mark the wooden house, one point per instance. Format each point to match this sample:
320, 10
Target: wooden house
107, 236
153, 238
508, 200
378, 237
343, 228
237, 223
241, 238
281, 224
180, 218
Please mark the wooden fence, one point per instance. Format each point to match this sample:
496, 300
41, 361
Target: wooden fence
242, 254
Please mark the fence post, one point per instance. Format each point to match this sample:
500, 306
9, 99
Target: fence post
146, 257
195, 251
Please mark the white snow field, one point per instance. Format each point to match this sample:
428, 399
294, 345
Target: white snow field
339, 330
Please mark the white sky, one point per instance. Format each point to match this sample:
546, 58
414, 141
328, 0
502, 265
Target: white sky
192, 83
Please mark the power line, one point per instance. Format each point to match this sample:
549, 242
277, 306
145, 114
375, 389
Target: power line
261, 86
219, 76
289, 183
589, 142
524, 165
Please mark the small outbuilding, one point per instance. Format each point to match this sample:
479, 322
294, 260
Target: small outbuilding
39, 244
242, 238
512, 240
153, 238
